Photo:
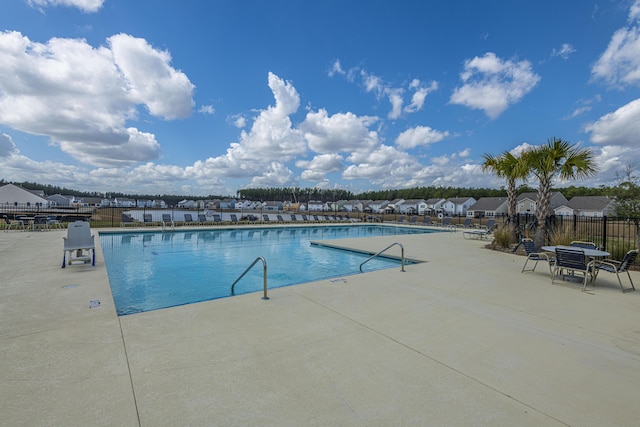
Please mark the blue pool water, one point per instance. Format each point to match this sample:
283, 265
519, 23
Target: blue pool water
153, 270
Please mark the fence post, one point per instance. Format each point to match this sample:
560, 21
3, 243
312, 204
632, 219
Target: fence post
604, 233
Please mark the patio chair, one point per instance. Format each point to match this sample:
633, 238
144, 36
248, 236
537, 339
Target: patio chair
78, 240
400, 219
12, 223
413, 220
617, 267
534, 255
572, 259
580, 244
426, 220
265, 218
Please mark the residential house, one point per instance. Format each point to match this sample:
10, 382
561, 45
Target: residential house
58, 200
413, 206
14, 196
187, 204
272, 205
457, 205
144, 203
489, 207
317, 206
434, 206
353, 206
394, 206
159, 203
526, 202
124, 203
375, 206
587, 206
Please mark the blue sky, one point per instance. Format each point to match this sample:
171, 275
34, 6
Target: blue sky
209, 97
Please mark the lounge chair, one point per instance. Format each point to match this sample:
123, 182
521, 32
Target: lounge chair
188, 219
534, 255
466, 223
426, 220
217, 219
400, 219
234, 218
572, 259
265, 218
280, 218
79, 239
491, 225
147, 219
294, 218
202, 219
413, 220
617, 267
167, 220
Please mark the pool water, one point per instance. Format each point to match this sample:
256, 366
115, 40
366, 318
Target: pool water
153, 270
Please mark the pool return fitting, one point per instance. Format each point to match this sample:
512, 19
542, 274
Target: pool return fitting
379, 253
264, 268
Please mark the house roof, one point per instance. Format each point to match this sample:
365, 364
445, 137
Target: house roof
11, 193
595, 203
458, 200
488, 203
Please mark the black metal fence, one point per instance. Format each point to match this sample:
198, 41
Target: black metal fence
615, 235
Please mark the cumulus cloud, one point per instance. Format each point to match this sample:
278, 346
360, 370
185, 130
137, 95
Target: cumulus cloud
207, 109
317, 168
620, 127
492, 84
420, 94
419, 135
385, 167
276, 175
619, 64
82, 97
7, 147
84, 5
271, 139
341, 132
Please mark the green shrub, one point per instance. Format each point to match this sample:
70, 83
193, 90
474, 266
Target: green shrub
502, 238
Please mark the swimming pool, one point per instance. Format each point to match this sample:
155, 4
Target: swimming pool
153, 270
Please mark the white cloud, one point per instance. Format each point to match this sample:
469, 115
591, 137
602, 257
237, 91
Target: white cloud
237, 120
317, 168
619, 64
276, 175
620, 127
84, 5
7, 147
395, 98
385, 167
81, 97
207, 109
336, 68
419, 135
420, 94
342, 132
564, 52
492, 84
271, 139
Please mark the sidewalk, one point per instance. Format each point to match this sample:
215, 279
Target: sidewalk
461, 339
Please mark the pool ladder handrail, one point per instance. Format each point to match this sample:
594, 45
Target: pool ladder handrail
379, 253
264, 268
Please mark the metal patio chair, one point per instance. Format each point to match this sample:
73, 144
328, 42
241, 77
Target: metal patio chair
617, 267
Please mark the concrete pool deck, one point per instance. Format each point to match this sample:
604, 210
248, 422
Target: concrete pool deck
462, 339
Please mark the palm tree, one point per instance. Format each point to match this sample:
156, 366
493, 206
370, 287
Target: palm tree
512, 168
555, 158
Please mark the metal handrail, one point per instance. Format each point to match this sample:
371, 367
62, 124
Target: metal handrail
391, 245
264, 264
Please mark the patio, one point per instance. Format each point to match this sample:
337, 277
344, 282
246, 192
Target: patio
462, 339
